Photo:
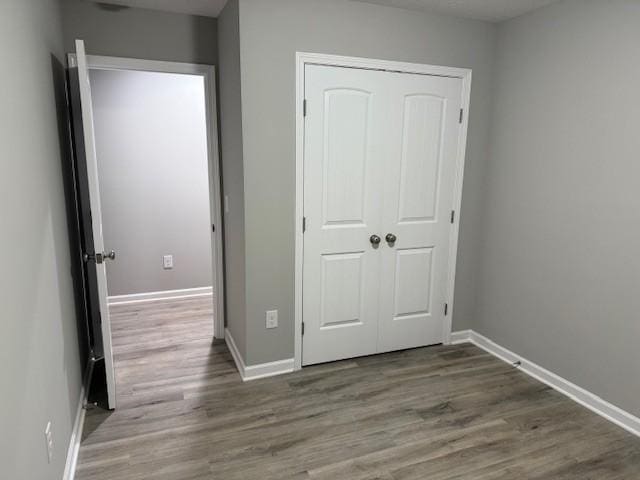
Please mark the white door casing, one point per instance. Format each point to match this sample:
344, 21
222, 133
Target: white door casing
208, 73
96, 213
380, 153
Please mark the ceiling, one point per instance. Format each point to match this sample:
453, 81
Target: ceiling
489, 10
207, 8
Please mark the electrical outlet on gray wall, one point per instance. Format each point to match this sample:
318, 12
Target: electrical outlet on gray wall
167, 262
271, 318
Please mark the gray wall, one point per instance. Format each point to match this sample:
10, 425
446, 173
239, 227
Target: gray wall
39, 358
139, 33
232, 171
270, 34
560, 277
151, 141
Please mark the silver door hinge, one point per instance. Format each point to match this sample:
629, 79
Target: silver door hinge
453, 215
93, 257
302, 328
446, 309
461, 115
304, 224
304, 107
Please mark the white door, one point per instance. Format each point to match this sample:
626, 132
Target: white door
380, 151
343, 165
92, 223
418, 200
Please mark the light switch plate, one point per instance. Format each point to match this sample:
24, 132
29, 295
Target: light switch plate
167, 262
272, 318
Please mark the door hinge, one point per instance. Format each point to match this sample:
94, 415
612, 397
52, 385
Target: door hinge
453, 215
93, 257
446, 309
461, 115
304, 107
304, 224
213, 228
302, 328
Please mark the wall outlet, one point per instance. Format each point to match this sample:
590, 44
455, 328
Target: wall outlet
167, 262
48, 437
272, 318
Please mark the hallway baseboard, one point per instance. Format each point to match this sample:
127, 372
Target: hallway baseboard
163, 295
262, 370
576, 393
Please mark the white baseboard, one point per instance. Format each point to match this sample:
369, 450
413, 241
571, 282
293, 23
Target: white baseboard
235, 353
578, 394
263, 370
461, 336
165, 295
78, 425
254, 372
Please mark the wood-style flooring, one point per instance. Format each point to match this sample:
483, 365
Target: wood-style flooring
433, 413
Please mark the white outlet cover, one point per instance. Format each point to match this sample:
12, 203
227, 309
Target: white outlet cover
167, 261
272, 318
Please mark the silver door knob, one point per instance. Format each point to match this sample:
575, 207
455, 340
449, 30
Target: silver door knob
374, 239
111, 255
390, 238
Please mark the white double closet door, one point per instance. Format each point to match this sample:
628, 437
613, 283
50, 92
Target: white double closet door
379, 160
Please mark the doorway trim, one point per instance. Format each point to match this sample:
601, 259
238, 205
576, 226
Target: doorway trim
208, 72
305, 58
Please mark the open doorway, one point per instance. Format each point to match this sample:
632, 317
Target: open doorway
151, 146
150, 142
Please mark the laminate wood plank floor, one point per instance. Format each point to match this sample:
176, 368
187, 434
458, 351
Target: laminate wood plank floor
444, 412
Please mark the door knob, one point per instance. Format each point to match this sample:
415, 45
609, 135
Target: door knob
390, 238
374, 239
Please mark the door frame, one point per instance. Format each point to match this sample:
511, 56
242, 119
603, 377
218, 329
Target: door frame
208, 72
306, 58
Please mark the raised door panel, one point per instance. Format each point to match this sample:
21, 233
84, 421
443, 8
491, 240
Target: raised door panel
346, 128
341, 296
413, 283
421, 156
